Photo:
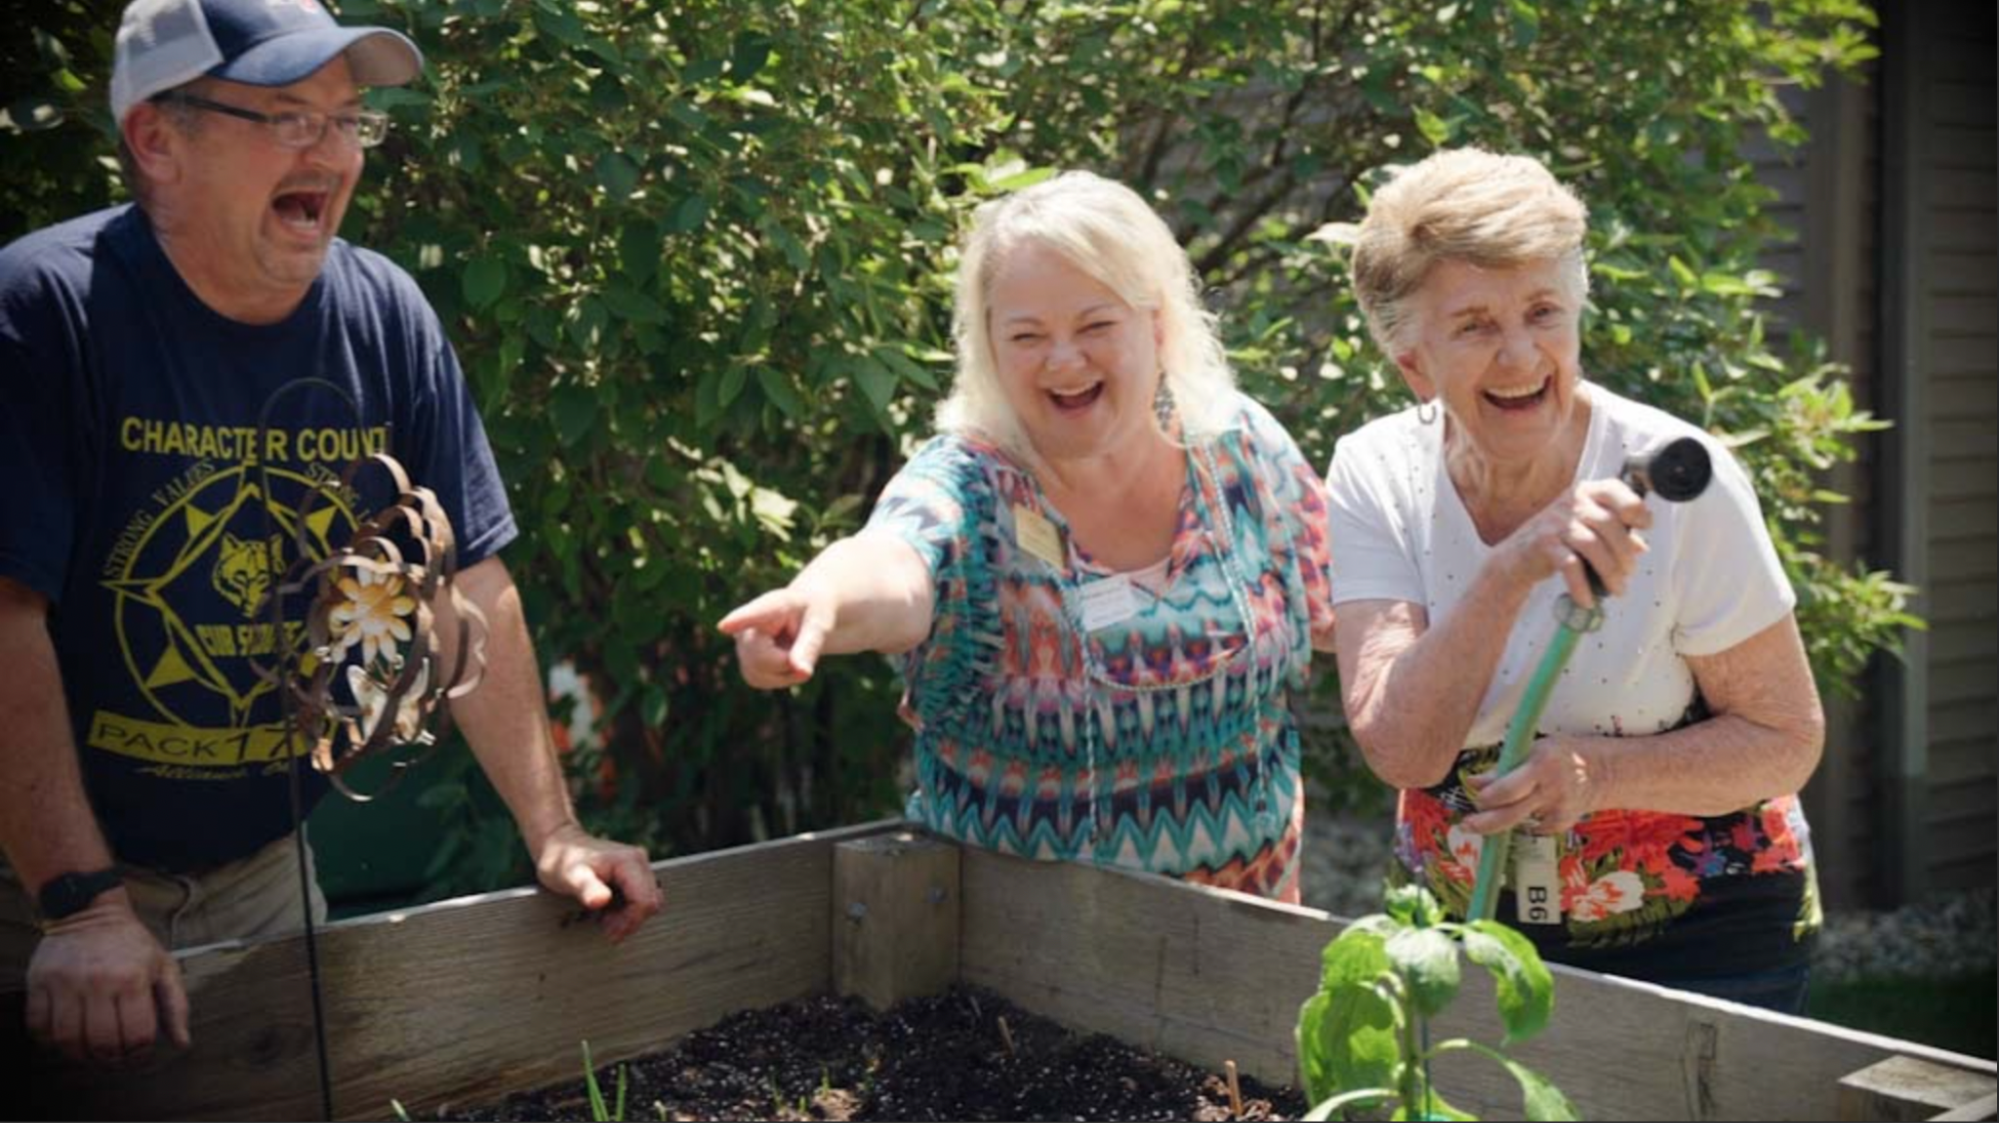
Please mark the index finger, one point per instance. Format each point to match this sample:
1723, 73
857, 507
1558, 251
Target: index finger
1505, 791
171, 995
769, 612
1621, 500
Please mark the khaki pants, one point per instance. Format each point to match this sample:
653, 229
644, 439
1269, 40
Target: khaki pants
256, 896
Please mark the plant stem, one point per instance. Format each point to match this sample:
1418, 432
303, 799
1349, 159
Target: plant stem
1414, 1079
1429, 1085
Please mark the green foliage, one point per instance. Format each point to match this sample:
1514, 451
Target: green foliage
1364, 1036
696, 260
690, 258
55, 114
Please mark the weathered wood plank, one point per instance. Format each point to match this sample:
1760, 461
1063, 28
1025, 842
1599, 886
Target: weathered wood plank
1982, 1109
895, 917
1203, 975
472, 998
1208, 976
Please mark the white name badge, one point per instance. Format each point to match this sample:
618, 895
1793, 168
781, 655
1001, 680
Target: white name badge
1537, 879
1107, 601
1038, 537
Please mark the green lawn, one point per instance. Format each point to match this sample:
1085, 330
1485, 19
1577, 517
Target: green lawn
1955, 1012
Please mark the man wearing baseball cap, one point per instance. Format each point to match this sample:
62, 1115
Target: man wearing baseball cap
181, 379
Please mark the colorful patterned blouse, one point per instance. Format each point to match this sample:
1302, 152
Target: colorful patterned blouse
1064, 711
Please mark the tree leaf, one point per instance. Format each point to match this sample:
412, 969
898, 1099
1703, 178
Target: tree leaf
875, 380
690, 213
1434, 128
1023, 179
906, 367
484, 279
587, 323
689, 117
558, 23
618, 175
513, 347
639, 250
752, 52
627, 302
734, 378
396, 97
789, 245
701, 70
573, 408
779, 390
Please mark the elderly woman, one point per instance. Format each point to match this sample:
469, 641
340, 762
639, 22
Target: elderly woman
1658, 809
1103, 579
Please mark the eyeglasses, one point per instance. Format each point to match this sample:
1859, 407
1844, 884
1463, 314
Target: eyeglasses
298, 128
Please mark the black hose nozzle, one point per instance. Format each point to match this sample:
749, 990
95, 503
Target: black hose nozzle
1678, 471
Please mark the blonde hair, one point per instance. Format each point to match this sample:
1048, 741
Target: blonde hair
1106, 230
1461, 204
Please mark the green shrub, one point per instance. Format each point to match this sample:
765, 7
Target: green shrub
696, 259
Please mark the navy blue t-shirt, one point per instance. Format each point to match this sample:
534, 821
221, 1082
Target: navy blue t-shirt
134, 473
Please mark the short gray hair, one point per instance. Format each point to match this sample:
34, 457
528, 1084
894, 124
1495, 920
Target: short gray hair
1461, 204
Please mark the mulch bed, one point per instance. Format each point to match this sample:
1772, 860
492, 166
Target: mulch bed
963, 1055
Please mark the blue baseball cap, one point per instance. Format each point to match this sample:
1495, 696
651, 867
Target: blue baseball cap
163, 44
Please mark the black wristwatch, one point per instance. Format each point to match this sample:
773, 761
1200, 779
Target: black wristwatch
72, 893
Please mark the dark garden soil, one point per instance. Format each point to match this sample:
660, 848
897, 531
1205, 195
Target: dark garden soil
964, 1055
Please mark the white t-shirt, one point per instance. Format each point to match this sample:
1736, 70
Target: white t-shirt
1710, 580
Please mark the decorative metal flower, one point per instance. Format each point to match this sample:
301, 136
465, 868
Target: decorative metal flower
373, 698
375, 615
388, 642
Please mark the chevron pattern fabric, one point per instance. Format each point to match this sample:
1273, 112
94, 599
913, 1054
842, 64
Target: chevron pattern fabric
1161, 742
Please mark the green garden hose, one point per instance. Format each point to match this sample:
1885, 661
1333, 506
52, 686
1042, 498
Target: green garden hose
1678, 471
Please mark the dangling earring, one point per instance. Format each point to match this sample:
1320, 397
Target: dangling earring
1426, 411
1163, 405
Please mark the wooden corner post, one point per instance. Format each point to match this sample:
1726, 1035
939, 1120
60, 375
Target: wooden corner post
895, 917
1905, 1088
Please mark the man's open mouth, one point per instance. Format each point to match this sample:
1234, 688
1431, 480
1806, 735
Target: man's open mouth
300, 210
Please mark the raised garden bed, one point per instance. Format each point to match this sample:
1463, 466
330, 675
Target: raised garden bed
467, 1001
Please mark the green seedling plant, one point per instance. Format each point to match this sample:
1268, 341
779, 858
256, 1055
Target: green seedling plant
1364, 1037
600, 1110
